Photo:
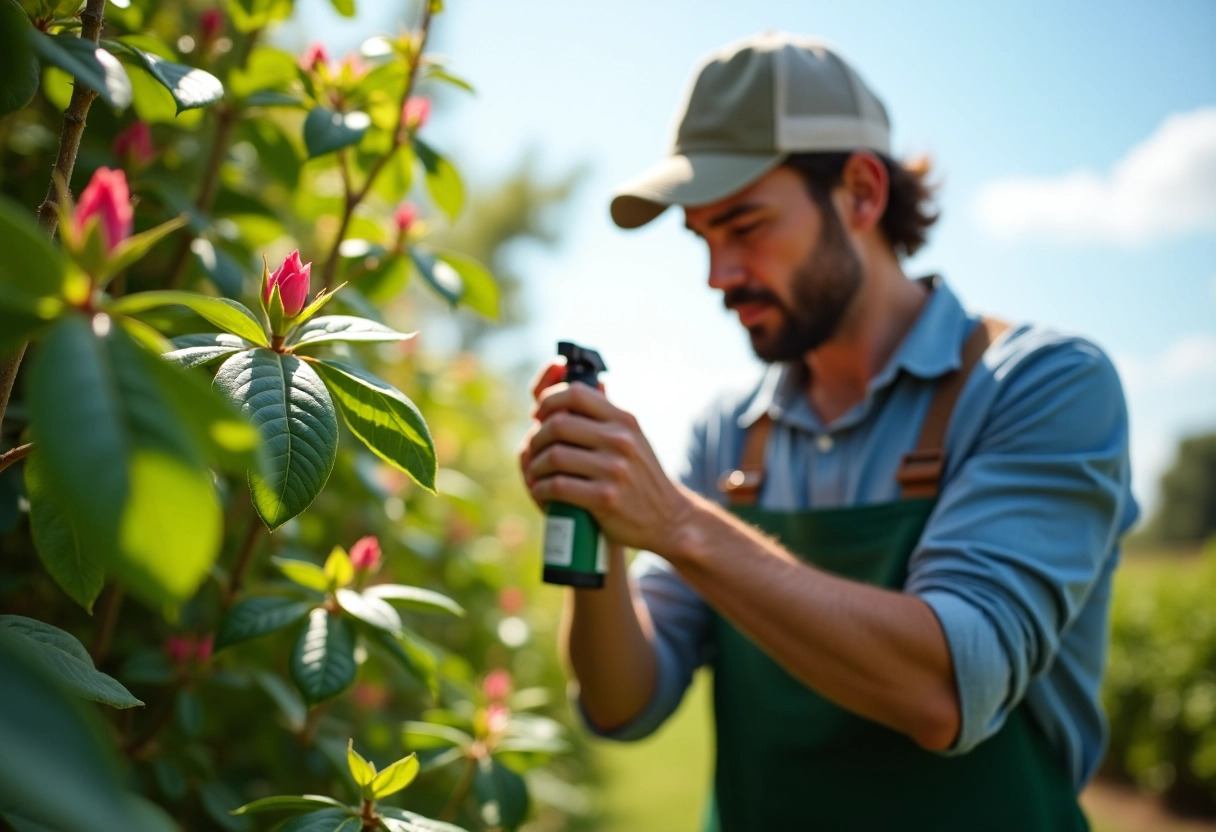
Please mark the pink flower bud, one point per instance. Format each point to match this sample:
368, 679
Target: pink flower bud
314, 54
203, 648
179, 648
417, 111
405, 216
497, 716
107, 199
135, 144
211, 24
292, 280
497, 685
365, 554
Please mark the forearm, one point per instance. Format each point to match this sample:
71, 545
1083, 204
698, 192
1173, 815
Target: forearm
876, 652
607, 640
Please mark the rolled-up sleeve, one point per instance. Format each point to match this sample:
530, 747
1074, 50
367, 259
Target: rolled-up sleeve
1024, 527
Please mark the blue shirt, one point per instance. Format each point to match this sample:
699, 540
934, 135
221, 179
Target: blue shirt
1017, 556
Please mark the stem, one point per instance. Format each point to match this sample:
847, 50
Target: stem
228, 116
12, 455
368, 816
100, 647
243, 558
399, 137
448, 814
65, 162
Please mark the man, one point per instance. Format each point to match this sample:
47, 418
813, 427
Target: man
896, 551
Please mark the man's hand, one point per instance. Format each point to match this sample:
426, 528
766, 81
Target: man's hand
584, 451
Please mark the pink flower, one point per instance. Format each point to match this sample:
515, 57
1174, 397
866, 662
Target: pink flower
497, 716
211, 24
356, 65
107, 199
497, 685
511, 599
365, 554
292, 280
416, 112
135, 144
314, 54
179, 648
405, 216
202, 649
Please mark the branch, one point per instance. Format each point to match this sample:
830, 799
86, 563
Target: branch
243, 558
399, 137
65, 162
13, 454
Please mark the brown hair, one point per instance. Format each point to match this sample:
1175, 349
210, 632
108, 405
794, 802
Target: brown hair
910, 209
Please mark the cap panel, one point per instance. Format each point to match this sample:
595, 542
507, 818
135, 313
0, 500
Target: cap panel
730, 107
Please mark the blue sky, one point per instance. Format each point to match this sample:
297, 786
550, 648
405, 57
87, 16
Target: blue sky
1075, 143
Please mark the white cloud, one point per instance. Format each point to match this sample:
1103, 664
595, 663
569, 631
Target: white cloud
1164, 186
1189, 360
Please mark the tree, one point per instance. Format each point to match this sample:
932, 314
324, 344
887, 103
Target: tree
1187, 513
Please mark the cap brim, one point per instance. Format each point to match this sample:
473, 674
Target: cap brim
688, 179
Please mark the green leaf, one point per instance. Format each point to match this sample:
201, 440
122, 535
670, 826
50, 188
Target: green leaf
338, 569
201, 349
326, 820
413, 657
18, 67
442, 180
188, 711
361, 770
190, 87
436, 74
287, 803
255, 617
330, 328
221, 268
219, 799
479, 291
326, 130
371, 611
322, 298
33, 275
91, 65
346, 8
396, 777
285, 697
286, 401
383, 418
502, 793
400, 820
55, 746
127, 472
428, 736
323, 660
65, 657
136, 246
76, 571
144, 335
303, 573
272, 98
228, 315
247, 15
415, 597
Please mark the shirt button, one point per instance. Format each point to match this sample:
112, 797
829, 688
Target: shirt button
824, 442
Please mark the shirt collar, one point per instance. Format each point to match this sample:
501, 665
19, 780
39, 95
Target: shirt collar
931, 349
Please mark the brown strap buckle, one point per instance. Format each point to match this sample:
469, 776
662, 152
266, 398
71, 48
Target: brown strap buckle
920, 472
741, 487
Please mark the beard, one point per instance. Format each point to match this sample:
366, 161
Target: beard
823, 288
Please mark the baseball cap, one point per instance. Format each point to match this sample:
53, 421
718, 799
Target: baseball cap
751, 104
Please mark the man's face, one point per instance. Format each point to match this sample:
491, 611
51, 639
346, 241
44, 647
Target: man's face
783, 264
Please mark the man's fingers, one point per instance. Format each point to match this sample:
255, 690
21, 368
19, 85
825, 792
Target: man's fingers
570, 429
588, 494
568, 459
579, 398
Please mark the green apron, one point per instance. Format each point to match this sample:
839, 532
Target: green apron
790, 760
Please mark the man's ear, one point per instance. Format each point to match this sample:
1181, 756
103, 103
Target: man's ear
863, 190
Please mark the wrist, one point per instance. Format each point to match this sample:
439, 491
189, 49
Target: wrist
690, 531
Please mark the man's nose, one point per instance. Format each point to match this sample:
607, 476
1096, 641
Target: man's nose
725, 272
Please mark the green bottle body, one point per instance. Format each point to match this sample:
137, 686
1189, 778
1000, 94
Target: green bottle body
574, 551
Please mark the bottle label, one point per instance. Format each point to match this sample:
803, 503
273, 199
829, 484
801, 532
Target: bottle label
601, 556
559, 541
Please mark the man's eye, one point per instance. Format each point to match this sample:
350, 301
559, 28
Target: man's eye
746, 230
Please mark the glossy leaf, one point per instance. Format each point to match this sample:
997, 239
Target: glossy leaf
272, 98
325, 820
136, 246
190, 87
19, 68
323, 660
326, 130
502, 793
202, 349
396, 777
115, 451
89, 64
383, 418
411, 655
361, 770
442, 180
479, 291
427, 736
371, 611
401, 820
415, 597
302, 572
286, 401
248, 15
338, 569
33, 275
288, 802
220, 267
65, 657
77, 572
255, 617
228, 315
287, 698
331, 328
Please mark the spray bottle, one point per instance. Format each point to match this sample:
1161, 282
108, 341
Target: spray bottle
574, 552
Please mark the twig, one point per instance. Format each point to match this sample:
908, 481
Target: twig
13, 454
100, 648
65, 162
244, 557
399, 136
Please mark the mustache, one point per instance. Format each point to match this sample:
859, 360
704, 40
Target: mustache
746, 294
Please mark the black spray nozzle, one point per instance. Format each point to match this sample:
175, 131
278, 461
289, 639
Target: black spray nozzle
582, 364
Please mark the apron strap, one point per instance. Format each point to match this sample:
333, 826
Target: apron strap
920, 470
